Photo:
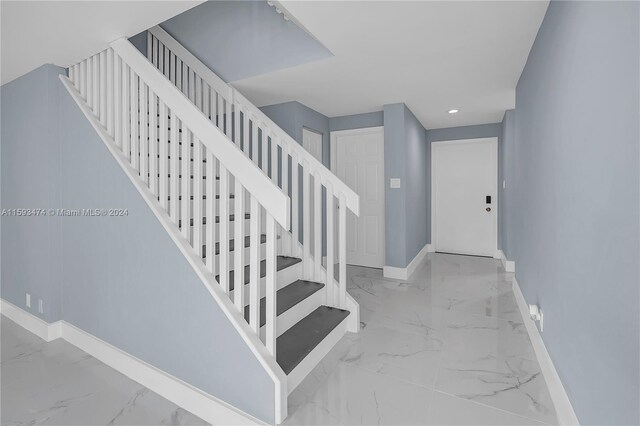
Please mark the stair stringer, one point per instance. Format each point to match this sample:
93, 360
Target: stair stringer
252, 340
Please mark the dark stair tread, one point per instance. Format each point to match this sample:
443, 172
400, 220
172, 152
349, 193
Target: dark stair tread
287, 298
204, 197
282, 262
247, 243
297, 342
204, 219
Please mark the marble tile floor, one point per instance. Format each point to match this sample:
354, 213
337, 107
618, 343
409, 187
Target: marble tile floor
446, 347
55, 383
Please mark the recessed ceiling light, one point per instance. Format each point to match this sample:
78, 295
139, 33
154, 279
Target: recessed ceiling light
452, 111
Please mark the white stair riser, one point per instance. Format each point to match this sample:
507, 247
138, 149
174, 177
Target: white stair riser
302, 370
296, 313
284, 277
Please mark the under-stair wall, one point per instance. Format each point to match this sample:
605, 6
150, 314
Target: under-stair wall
164, 315
122, 278
30, 170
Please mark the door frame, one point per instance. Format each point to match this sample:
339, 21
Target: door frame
434, 145
333, 152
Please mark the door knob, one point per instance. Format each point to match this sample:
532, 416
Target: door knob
488, 209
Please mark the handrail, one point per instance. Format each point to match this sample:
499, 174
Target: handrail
351, 198
251, 177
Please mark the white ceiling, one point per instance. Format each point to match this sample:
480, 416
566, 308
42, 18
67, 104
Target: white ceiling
431, 55
64, 32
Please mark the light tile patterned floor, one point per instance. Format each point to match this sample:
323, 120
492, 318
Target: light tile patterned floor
446, 347
57, 384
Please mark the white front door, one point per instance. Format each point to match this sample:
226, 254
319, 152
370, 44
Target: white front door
358, 160
464, 205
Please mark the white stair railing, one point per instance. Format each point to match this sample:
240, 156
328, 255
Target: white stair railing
176, 155
284, 160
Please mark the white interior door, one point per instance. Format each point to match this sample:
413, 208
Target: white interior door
358, 160
464, 205
312, 142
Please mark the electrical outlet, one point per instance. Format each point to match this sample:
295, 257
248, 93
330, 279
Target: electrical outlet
394, 183
537, 316
28, 300
40, 306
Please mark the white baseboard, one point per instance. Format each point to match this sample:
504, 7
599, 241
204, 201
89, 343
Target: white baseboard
394, 273
509, 265
353, 320
192, 399
564, 409
404, 273
30, 322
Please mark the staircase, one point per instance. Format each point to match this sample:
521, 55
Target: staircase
234, 192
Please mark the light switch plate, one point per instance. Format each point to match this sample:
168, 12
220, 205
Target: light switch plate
504, 184
28, 300
394, 183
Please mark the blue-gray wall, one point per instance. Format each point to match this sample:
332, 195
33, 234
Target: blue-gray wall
493, 130
506, 175
30, 167
465, 132
285, 115
140, 42
241, 39
293, 117
573, 177
406, 156
121, 279
395, 230
356, 121
417, 182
